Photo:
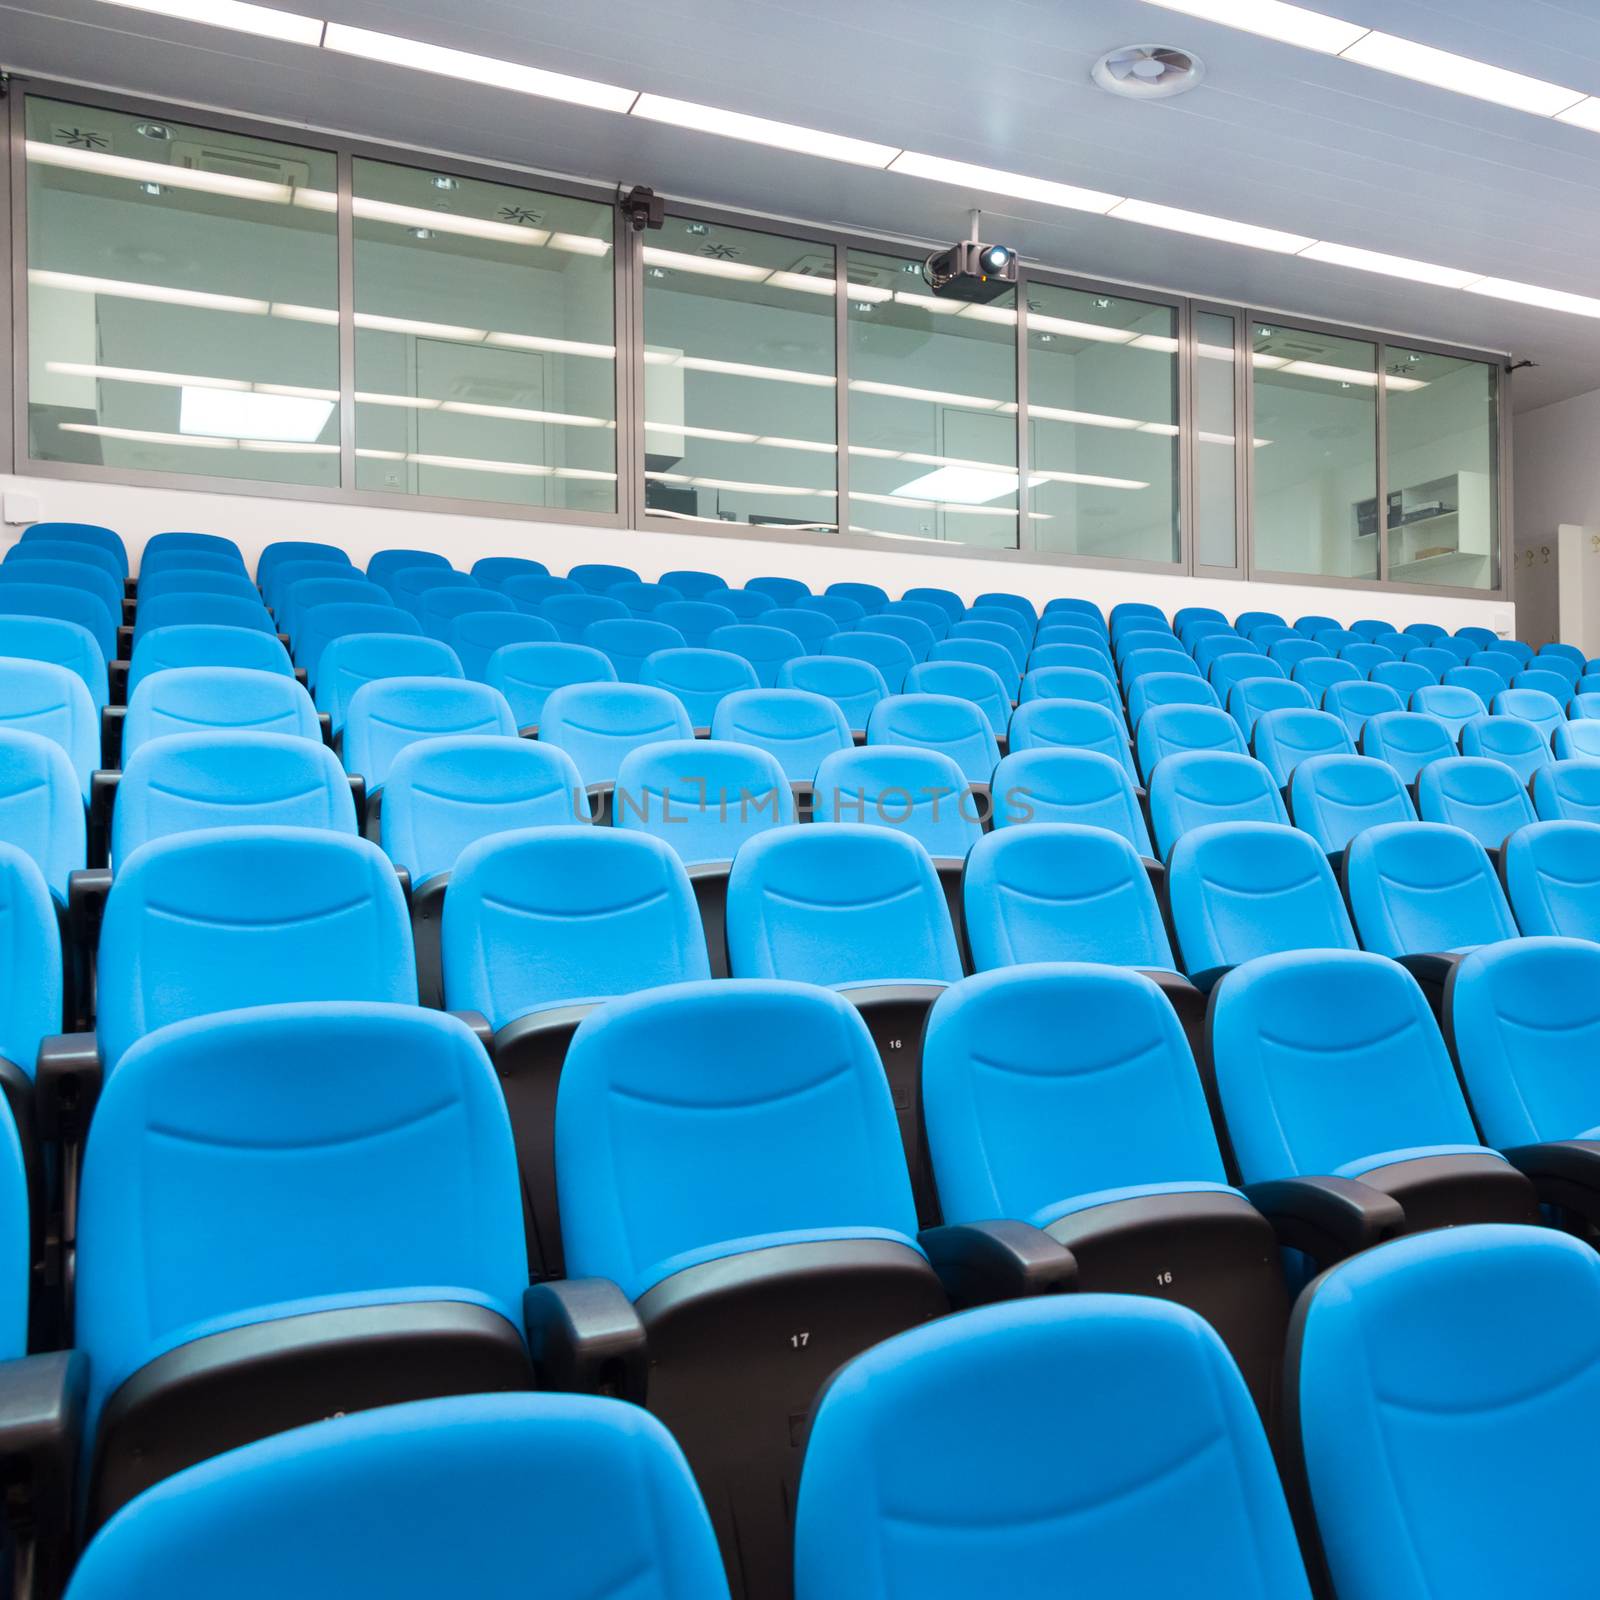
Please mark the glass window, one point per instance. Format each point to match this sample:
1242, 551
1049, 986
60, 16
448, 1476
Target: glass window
933, 402
740, 391
1316, 461
1443, 491
1102, 424
518, 407
1216, 448
182, 298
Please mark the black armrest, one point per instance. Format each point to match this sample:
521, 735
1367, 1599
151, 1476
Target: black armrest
301, 679
358, 796
1327, 1218
87, 891
482, 1028
403, 877
283, 639
585, 1337
981, 1262
111, 720
601, 797
128, 604
325, 723
1566, 1173
41, 1432
66, 1084
103, 786
124, 641
117, 681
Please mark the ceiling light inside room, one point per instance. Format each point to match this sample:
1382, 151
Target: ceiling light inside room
1461, 74
227, 414
1273, 19
761, 130
1222, 229
266, 22
991, 180
962, 486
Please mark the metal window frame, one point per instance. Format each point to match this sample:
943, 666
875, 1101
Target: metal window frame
628, 372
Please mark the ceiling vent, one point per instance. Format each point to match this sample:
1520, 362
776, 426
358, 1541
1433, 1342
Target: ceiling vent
1148, 71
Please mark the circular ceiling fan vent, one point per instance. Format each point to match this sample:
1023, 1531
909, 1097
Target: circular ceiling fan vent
1148, 71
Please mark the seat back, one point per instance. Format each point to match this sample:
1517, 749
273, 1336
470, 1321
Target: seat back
1153, 689
869, 596
893, 658
1485, 797
1171, 730
915, 634
626, 641
527, 674
854, 686
439, 608
86, 533
552, 916
783, 591
210, 699
1333, 797
702, 797
385, 565
172, 610
190, 782
812, 628
1321, 673
800, 729
42, 698
1449, 1436
279, 579
1367, 656
321, 625
279, 551
1230, 671
409, 584
445, 794
23, 599
1282, 739
528, 591
1353, 703
1291, 651
41, 806
745, 604
1408, 741
691, 583
80, 575
476, 635
699, 677
935, 616
1577, 740
846, 613
845, 904
1251, 697
207, 922
571, 614
599, 576
1420, 887
1543, 710
978, 652
597, 724
1568, 791
766, 645
1021, 1119
1552, 876
1059, 892
921, 793
205, 644
1545, 681
643, 598
388, 714
696, 620
1325, 1060
62, 644
1522, 746
1072, 725
31, 933
355, 659
492, 571
181, 580
953, 726
1196, 787
182, 539
947, 600
1071, 608
1448, 703
1004, 600
1087, 656
305, 593
1238, 890
1482, 683
1072, 683
1504, 664
1081, 786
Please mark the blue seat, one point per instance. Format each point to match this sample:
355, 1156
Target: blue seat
322, 625
1353, 703
42, 698
190, 782
626, 641
642, 599
211, 699
1450, 704
1168, 689
1230, 671
704, 799
1290, 652
376, 1208
1421, 888
305, 593
1336, 639
1389, 1387
1432, 659
855, 687
1052, 784
1485, 797
204, 644
1426, 631
571, 614
1185, 615
1481, 683
476, 635
1005, 600
1004, 630
1522, 746
934, 616
975, 652
1333, 797
868, 596
1072, 655
176, 610
1395, 642
274, 586
1072, 725
1544, 711
1246, 621
597, 724
847, 614
1141, 663
1250, 697
1585, 702
437, 609
181, 580
386, 565
32, 1012
1482, 638
279, 551
892, 657
1091, 634
692, 584
1169, 730
1194, 787
492, 571
62, 644
86, 533
781, 591
1212, 648
1554, 684
41, 806
208, 922
912, 632
1321, 673
1128, 641
21, 599
1367, 656
80, 575
922, 793
599, 577
355, 659
528, 591
746, 604
1136, 612
1059, 892
700, 678
1404, 677
954, 727
388, 714
966, 680
527, 674
211, 543
696, 620
1577, 740
1568, 791
800, 729
152, 561
1266, 634
947, 600
1552, 876
1370, 627
1569, 655
1239, 890
1503, 664
1282, 739
1072, 683
1072, 609
1408, 741
765, 645
812, 628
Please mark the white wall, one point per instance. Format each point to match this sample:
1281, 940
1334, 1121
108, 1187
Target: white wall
1558, 482
254, 521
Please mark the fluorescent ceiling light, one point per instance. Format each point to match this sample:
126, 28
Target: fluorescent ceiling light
447, 222
266, 22
938, 397
1343, 255
1156, 341
745, 369
1461, 74
482, 71
166, 173
1311, 30
556, 419
706, 266
559, 347
1093, 480
516, 469
1090, 419
148, 436
760, 130
929, 302
580, 244
1079, 330
682, 430
1208, 227
801, 282
1530, 294
966, 486
1586, 114
410, 402
779, 442
224, 414
421, 330
991, 180
325, 315
287, 447
169, 380
160, 293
